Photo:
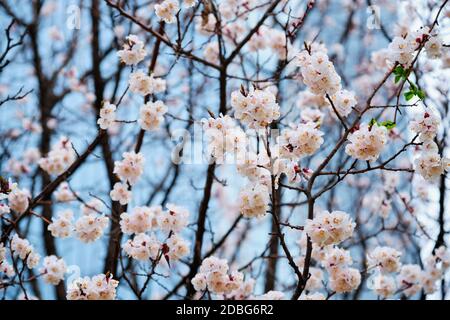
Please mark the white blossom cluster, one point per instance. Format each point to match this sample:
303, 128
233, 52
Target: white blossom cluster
401, 49
434, 47
130, 168
133, 50
314, 115
5, 267
391, 277
256, 108
318, 72
151, 115
60, 157
147, 246
344, 101
53, 270
345, 279
174, 219
367, 142
142, 247
384, 259
224, 137
337, 263
140, 220
330, 228
244, 292
63, 193
143, 219
410, 279
214, 276
62, 225
324, 85
144, 84
383, 285
99, 287
251, 165
121, 193
24, 250
435, 268
307, 99
254, 200
18, 200
107, 115
429, 164
176, 248
426, 125
167, 10
304, 140
90, 227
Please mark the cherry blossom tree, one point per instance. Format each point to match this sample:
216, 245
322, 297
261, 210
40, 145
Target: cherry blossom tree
224, 149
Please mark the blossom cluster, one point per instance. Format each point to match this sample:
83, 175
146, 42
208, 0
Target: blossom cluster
401, 49
18, 200
99, 287
24, 250
62, 225
107, 115
304, 140
256, 108
254, 200
64, 193
429, 164
337, 262
224, 137
53, 270
130, 168
89, 227
5, 267
151, 219
367, 142
60, 157
167, 10
386, 259
214, 276
133, 50
144, 84
329, 228
344, 101
391, 277
318, 72
151, 115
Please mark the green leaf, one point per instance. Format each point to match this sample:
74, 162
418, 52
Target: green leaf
397, 78
388, 124
408, 95
399, 71
413, 88
373, 121
420, 94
